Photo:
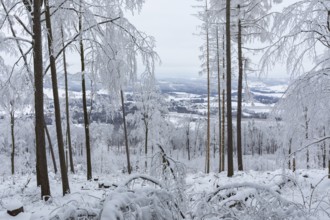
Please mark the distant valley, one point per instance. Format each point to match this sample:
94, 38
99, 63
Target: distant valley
183, 96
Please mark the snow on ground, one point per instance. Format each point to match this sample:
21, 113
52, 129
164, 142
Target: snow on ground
304, 194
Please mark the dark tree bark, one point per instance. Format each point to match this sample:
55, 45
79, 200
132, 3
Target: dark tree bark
146, 134
51, 148
329, 162
68, 129
219, 97
42, 169
290, 146
12, 128
64, 174
86, 119
294, 162
188, 141
324, 151
223, 111
239, 97
229, 106
306, 135
125, 133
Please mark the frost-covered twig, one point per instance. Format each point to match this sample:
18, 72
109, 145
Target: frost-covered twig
25, 185
296, 184
308, 145
144, 177
249, 185
312, 193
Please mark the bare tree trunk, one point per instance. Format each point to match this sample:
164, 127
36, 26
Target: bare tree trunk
12, 126
324, 152
208, 100
51, 148
290, 143
306, 136
67, 105
223, 111
188, 142
239, 97
125, 132
329, 162
42, 169
294, 162
219, 96
229, 106
146, 142
86, 121
64, 174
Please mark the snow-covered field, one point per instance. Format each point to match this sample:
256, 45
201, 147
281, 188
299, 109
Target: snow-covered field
280, 194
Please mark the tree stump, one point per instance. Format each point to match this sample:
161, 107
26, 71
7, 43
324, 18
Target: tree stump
14, 207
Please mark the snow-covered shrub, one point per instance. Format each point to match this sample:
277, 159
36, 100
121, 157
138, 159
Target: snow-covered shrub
247, 201
77, 207
146, 203
172, 174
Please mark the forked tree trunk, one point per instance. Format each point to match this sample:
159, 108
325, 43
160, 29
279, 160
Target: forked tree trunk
229, 106
42, 169
125, 133
239, 97
64, 174
51, 148
86, 120
68, 129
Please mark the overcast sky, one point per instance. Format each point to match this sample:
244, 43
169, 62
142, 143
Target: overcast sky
173, 25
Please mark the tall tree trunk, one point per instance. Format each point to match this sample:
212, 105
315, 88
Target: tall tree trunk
188, 141
68, 130
86, 120
146, 142
208, 101
290, 145
229, 107
12, 126
51, 148
64, 174
42, 169
214, 142
223, 110
294, 162
329, 161
219, 97
306, 136
239, 97
125, 132
324, 153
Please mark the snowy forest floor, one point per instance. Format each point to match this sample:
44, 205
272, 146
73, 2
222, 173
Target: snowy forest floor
279, 194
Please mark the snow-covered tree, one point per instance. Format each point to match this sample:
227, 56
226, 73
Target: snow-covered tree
15, 93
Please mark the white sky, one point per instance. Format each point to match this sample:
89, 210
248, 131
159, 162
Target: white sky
173, 26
